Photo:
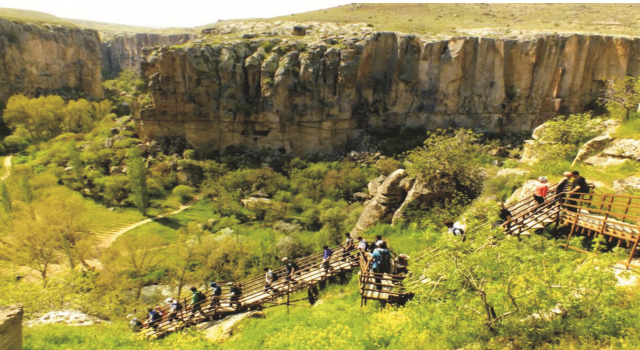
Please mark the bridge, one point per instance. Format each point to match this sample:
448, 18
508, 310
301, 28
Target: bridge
611, 216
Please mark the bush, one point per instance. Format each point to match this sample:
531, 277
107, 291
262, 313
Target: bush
388, 166
186, 193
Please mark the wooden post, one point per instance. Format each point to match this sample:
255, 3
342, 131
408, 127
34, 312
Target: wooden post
288, 292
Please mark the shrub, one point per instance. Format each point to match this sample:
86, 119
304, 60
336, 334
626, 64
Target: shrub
388, 166
186, 193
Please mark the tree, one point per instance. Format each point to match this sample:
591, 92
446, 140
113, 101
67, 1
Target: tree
138, 180
621, 96
334, 221
25, 189
5, 197
78, 116
449, 159
135, 258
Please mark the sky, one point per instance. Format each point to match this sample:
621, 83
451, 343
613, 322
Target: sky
169, 13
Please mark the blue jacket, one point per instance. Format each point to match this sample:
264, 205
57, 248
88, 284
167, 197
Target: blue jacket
379, 256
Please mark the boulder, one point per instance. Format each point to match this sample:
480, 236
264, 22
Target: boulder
420, 192
521, 193
528, 152
256, 203
108, 143
11, 327
220, 331
591, 147
361, 196
629, 185
66, 317
374, 185
538, 133
624, 148
300, 31
387, 196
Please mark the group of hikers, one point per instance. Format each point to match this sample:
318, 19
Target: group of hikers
382, 261
570, 189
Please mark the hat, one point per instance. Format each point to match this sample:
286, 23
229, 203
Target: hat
542, 179
285, 259
135, 319
230, 284
212, 284
168, 300
566, 173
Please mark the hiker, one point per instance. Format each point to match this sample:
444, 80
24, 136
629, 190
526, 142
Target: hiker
540, 192
504, 215
312, 294
154, 319
135, 325
270, 277
176, 307
291, 267
374, 244
215, 295
197, 299
234, 294
563, 186
400, 264
160, 311
348, 244
579, 187
362, 245
455, 228
326, 258
380, 263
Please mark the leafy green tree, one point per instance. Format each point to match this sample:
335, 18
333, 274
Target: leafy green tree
76, 162
25, 189
334, 221
621, 96
449, 159
138, 179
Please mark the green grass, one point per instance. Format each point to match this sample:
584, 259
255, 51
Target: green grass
102, 221
437, 18
629, 130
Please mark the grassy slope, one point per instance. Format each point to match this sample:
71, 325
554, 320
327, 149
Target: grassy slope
431, 18
443, 18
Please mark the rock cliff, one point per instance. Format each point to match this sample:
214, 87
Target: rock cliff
319, 96
11, 327
123, 51
37, 59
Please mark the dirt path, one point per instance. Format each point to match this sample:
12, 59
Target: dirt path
107, 241
7, 168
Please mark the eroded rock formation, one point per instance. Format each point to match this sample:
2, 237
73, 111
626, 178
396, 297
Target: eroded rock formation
123, 51
38, 59
11, 327
318, 97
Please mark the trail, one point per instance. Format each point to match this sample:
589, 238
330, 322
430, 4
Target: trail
112, 238
7, 167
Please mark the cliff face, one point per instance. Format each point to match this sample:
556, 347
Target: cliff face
123, 52
322, 97
42, 59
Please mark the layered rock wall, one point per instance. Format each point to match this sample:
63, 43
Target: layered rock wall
40, 59
318, 98
123, 51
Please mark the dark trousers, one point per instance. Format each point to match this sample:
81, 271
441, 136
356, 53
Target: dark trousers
570, 202
378, 274
540, 200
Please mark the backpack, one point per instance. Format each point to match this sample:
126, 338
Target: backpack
199, 297
274, 276
217, 291
178, 306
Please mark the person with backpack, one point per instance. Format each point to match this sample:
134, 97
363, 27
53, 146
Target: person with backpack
234, 294
291, 268
215, 295
455, 228
154, 319
197, 299
326, 258
269, 277
175, 307
135, 325
380, 263
348, 244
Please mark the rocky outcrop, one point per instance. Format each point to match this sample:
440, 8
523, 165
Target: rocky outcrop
526, 191
318, 97
123, 51
66, 317
392, 196
220, 331
629, 185
42, 59
614, 152
588, 153
11, 327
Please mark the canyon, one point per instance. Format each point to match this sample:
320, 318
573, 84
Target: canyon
320, 97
